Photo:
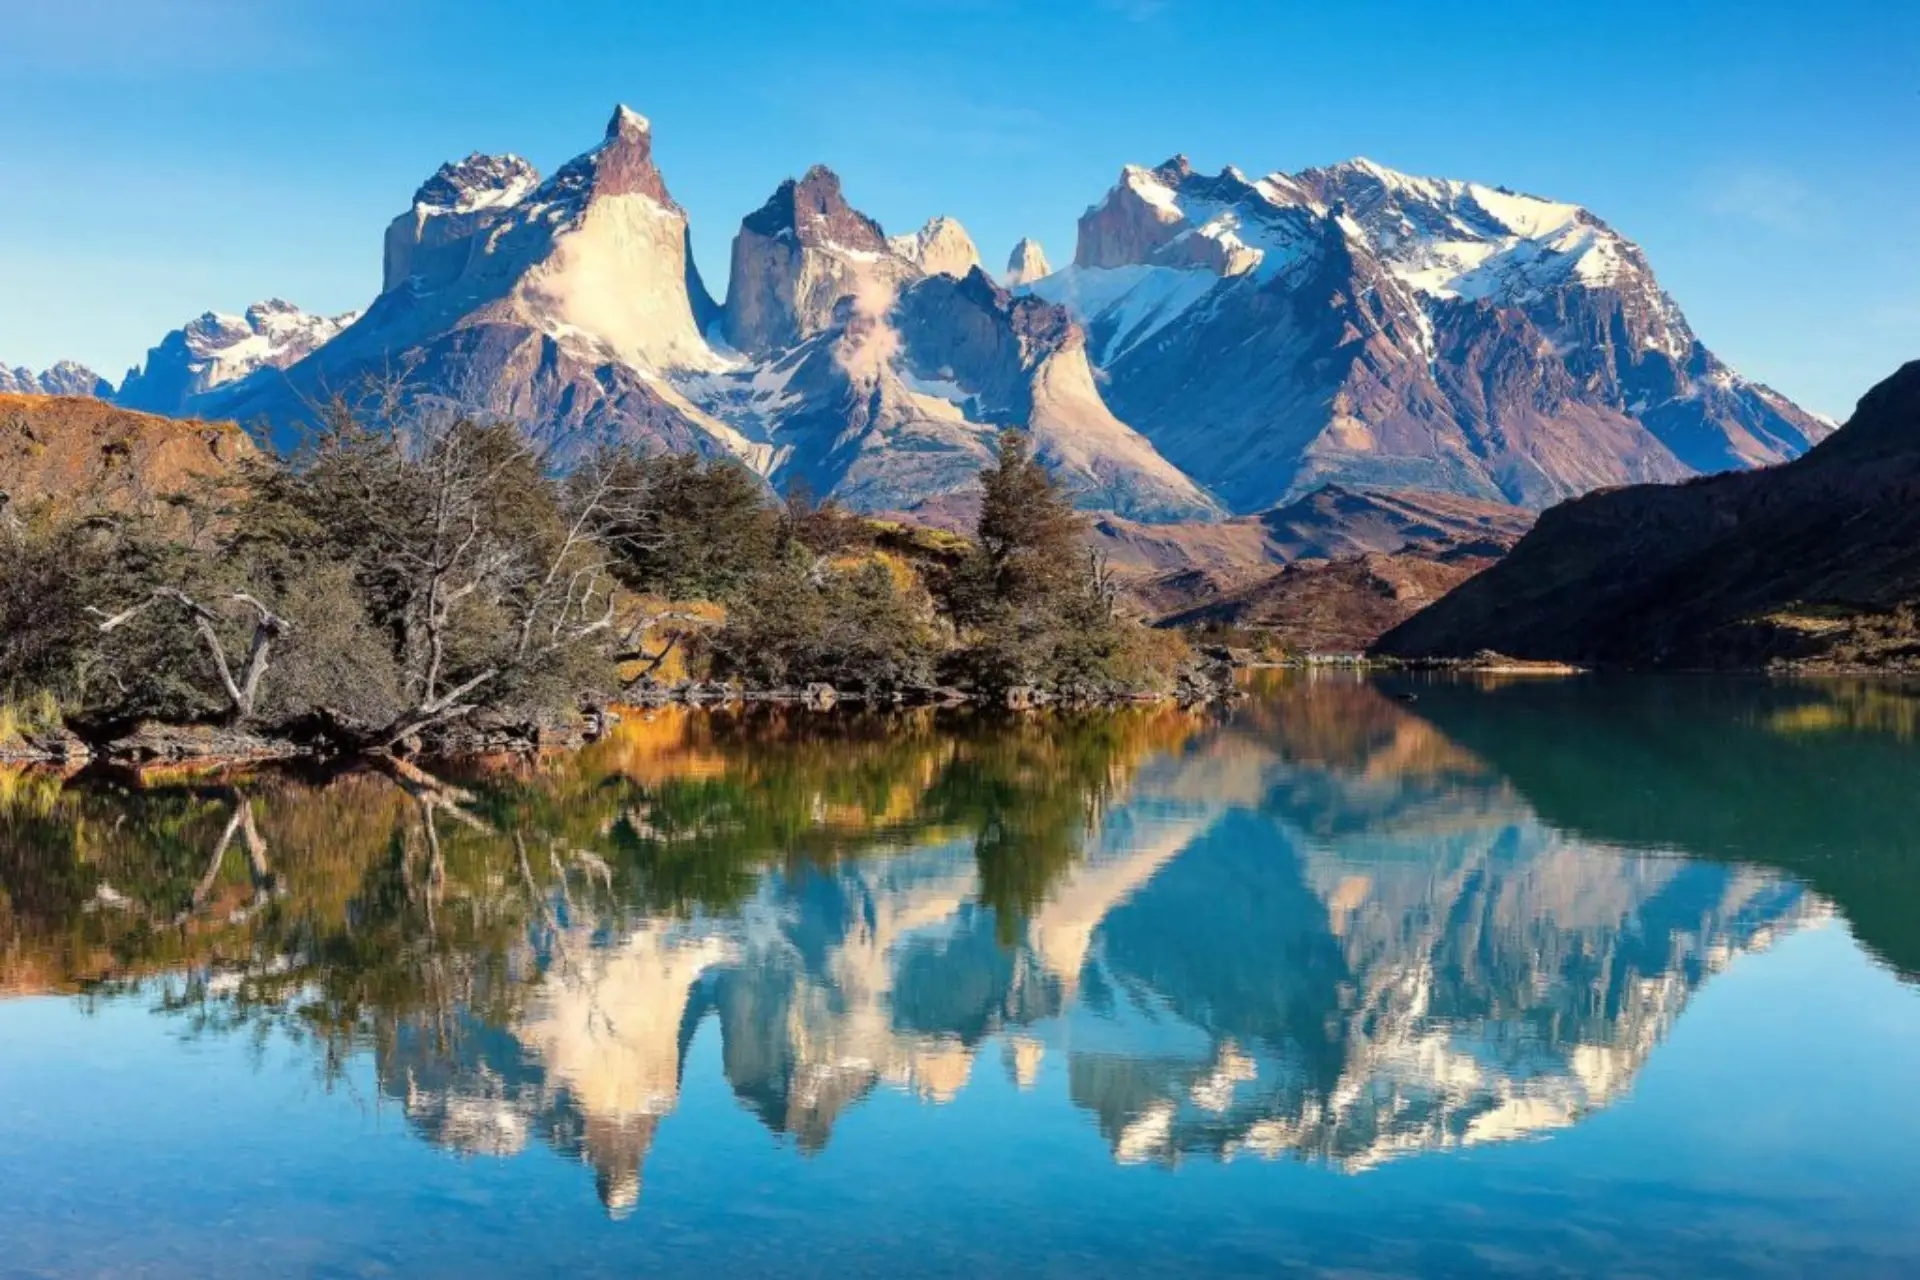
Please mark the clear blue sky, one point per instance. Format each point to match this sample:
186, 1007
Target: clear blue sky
164, 157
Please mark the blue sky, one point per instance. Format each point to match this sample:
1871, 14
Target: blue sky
163, 157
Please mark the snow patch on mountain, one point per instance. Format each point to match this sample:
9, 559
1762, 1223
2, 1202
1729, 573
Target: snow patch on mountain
1124, 306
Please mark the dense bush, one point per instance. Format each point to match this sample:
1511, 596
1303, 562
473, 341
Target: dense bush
858, 624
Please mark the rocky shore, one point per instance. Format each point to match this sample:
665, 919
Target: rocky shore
1207, 680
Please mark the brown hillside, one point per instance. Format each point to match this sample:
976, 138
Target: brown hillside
1341, 606
1331, 523
82, 454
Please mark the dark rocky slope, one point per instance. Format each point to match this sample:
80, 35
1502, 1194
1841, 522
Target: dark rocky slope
1814, 562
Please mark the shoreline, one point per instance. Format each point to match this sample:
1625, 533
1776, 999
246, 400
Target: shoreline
157, 743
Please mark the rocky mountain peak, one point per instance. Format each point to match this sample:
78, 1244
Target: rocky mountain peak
800, 258
941, 248
1027, 263
813, 211
477, 182
1171, 216
621, 165
1174, 170
214, 349
461, 197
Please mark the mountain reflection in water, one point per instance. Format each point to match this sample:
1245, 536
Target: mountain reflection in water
1326, 924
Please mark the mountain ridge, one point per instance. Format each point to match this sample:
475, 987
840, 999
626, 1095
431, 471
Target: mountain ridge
1222, 344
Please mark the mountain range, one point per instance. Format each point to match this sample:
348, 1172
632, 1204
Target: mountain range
1218, 345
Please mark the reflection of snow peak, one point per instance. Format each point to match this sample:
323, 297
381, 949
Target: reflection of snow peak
1336, 964
606, 1023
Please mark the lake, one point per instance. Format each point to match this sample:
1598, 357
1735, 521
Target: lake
1360, 976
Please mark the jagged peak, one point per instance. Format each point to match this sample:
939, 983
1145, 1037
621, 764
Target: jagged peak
627, 121
1027, 263
1175, 169
479, 181
814, 211
622, 165
62, 378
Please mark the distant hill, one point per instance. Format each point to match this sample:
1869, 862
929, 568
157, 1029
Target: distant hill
1333, 522
1815, 562
1327, 573
1341, 606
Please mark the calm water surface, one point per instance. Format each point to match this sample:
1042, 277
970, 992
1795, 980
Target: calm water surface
1586, 977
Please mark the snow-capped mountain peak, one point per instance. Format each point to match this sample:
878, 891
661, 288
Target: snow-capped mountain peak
214, 349
1027, 263
66, 378
1170, 216
477, 182
621, 165
1448, 238
1260, 337
1413, 331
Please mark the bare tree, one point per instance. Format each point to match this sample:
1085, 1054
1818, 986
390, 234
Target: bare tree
243, 692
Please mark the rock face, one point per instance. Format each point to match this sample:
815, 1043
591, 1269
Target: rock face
890, 407
941, 248
1027, 263
214, 350
1359, 326
67, 378
798, 256
1809, 562
460, 199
